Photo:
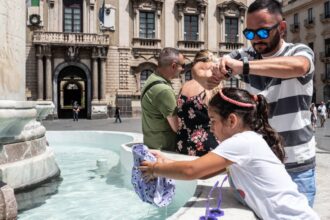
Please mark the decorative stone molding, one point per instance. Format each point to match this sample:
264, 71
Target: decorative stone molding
232, 8
145, 5
72, 54
310, 37
63, 39
92, 4
51, 3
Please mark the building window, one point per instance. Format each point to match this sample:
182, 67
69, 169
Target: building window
327, 71
295, 20
327, 9
144, 76
311, 45
72, 16
327, 47
231, 30
147, 24
191, 27
187, 76
310, 15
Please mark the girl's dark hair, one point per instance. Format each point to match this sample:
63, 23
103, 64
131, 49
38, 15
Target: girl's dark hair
256, 117
273, 6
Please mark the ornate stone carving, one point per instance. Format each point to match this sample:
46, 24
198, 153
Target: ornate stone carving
72, 54
232, 8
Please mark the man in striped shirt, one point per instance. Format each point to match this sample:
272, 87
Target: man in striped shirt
283, 73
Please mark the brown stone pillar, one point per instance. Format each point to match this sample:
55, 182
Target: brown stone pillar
40, 77
102, 79
48, 78
95, 80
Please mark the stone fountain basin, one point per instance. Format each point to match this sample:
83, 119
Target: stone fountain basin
14, 115
44, 108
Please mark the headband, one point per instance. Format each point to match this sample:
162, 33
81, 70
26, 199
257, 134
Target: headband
232, 101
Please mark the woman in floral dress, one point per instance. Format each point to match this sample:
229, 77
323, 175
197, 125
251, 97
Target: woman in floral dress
194, 137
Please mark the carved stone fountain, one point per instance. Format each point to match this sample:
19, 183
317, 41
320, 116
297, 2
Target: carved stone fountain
25, 158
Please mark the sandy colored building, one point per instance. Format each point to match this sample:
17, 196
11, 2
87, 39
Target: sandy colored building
100, 53
309, 22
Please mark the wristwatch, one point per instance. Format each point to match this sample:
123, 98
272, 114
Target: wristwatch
246, 66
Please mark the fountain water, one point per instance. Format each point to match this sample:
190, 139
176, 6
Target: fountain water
25, 158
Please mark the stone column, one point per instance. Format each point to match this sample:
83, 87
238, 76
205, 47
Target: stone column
95, 80
40, 77
48, 78
102, 80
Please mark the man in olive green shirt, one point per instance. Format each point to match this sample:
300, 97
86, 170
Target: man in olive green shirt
158, 102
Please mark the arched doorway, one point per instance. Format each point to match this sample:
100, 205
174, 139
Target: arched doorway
72, 82
71, 87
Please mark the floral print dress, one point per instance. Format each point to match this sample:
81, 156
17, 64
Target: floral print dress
194, 137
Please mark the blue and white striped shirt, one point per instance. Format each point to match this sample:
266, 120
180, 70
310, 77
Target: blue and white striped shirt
289, 101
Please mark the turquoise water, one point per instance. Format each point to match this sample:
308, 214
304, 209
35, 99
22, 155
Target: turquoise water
88, 192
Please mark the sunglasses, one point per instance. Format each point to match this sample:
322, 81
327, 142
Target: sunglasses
215, 213
262, 33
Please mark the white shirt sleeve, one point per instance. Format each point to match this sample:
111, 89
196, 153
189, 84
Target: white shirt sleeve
235, 149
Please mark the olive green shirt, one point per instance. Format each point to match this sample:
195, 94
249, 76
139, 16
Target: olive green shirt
158, 103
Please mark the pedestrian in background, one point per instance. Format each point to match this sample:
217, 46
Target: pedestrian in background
117, 114
323, 113
75, 110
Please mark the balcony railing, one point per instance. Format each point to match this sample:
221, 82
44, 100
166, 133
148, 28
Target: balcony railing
294, 28
309, 23
229, 46
146, 43
325, 57
190, 45
79, 39
325, 18
325, 77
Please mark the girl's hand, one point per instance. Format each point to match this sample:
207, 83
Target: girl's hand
147, 169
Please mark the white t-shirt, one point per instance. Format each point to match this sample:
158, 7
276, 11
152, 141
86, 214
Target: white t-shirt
323, 110
262, 178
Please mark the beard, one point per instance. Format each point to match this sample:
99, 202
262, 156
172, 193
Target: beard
271, 46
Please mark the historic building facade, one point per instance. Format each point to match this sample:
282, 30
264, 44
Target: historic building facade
100, 53
309, 22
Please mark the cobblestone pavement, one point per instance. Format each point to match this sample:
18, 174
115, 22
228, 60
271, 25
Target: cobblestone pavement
322, 200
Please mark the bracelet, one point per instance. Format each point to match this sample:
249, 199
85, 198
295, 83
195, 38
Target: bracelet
153, 170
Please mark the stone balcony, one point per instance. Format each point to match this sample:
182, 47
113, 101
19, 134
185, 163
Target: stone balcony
227, 47
190, 45
325, 77
76, 39
295, 28
148, 46
325, 18
324, 57
309, 23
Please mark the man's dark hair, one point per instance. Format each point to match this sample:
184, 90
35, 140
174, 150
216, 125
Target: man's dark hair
167, 56
273, 6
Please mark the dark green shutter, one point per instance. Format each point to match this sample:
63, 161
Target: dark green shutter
35, 2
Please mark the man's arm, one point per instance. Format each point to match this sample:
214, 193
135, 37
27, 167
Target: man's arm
277, 67
174, 122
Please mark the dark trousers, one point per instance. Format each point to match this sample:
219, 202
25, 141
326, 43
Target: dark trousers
117, 118
75, 116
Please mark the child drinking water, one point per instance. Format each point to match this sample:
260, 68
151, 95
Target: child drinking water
251, 150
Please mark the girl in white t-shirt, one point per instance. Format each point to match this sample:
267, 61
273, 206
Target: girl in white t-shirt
251, 150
